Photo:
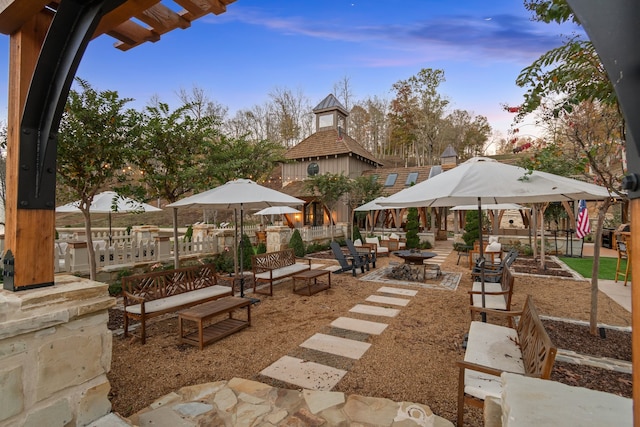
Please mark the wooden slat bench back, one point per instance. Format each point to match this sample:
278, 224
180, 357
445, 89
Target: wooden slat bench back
272, 266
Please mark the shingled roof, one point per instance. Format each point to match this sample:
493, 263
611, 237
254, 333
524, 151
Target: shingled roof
329, 143
401, 178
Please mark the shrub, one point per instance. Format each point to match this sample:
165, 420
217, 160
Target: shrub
115, 288
261, 248
224, 261
471, 228
413, 241
316, 247
188, 234
297, 244
356, 234
425, 245
248, 251
522, 248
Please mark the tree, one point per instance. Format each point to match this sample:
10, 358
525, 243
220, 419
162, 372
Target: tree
342, 91
416, 115
95, 141
467, 134
171, 152
572, 77
328, 188
292, 116
233, 158
369, 126
363, 189
200, 105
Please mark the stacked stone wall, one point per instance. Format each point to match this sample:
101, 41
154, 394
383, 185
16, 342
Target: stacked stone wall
55, 352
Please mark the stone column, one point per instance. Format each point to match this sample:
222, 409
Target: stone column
55, 352
144, 232
202, 231
277, 238
79, 256
163, 247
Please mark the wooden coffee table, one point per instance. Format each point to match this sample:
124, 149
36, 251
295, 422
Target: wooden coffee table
309, 278
201, 314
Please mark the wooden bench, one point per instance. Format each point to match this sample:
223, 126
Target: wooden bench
273, 266
167, 291
493, 349
497, 296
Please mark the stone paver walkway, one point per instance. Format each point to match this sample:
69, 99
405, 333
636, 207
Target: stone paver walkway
379, 305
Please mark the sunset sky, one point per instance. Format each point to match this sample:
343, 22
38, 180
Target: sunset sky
256, 47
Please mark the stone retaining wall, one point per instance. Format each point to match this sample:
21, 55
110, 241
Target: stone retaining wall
55, 352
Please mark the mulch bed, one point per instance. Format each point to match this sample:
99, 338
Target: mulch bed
616, 344
530, 265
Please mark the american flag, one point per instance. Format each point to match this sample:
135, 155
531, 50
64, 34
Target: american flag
583, 227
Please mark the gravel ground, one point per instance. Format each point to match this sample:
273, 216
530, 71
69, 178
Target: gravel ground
412, 360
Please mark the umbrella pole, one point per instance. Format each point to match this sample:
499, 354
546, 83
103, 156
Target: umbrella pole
235, 243
109, 229
176, 254
241, 253
481, 259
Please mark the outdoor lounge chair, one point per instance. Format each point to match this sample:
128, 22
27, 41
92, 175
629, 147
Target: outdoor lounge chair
366, 254
346, 263
493, 272
380, 250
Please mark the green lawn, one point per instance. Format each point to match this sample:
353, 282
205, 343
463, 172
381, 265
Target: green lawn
583, 266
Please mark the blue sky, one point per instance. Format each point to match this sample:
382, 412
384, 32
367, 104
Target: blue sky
307, 46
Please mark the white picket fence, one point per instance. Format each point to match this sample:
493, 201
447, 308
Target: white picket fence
125, 250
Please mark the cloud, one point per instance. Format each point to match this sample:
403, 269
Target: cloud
506, 37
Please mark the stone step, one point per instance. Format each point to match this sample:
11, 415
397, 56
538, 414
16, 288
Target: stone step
337, 345
309, 375
358, 325
388, 300
374, 311
398, 291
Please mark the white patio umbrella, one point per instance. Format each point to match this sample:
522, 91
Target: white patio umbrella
239, 194
110, 202
484, 207
279, 210
484, 180
373, 205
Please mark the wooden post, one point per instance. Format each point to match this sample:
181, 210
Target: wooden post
29, 233
634, 210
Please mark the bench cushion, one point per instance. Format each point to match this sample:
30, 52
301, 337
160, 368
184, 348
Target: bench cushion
493, 346
283, 271
167, 303
497, 302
